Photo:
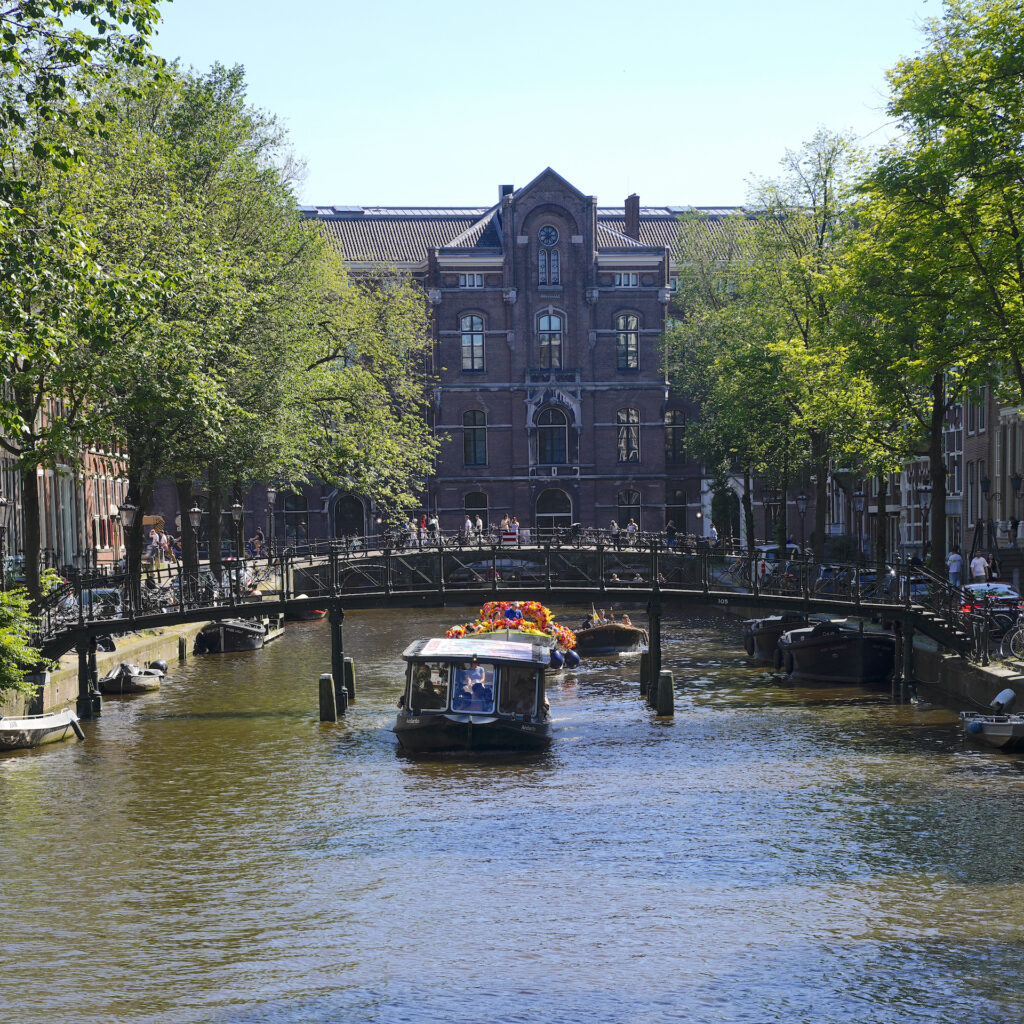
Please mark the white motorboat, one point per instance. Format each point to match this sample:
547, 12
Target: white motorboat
23, 731
1002, 729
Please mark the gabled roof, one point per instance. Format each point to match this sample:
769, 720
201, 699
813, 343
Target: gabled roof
549, 173
484, 234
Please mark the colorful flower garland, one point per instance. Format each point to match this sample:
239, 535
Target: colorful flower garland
533, 619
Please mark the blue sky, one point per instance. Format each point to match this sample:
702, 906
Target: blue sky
399, 102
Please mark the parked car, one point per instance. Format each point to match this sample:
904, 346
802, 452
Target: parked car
1000, 600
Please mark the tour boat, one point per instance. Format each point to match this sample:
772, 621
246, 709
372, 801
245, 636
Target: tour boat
527, 622
474, 695
761, 636
610, 638
23, 731
837, 652
128, 678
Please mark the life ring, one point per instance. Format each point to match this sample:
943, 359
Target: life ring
748, 643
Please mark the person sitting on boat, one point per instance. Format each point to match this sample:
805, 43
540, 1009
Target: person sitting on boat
626, 621
513, 614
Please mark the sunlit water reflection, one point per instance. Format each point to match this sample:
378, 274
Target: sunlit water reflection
213, 853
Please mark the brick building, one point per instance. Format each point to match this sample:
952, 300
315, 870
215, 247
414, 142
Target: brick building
548, 315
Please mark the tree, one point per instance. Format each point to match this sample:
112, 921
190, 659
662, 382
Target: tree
958, 172
17, 654
757, 346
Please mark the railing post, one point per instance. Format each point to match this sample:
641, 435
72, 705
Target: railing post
600, 566
655, 572
547, 566
387, 570
755, 583
494, 568
440, 569
856, 585
806, 582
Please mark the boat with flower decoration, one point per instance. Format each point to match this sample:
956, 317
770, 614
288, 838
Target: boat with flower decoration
522, 622
474, 695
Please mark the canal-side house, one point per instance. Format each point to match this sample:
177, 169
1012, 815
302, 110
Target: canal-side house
79, 523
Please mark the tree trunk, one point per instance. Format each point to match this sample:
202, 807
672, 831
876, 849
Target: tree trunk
882, 520
216, 496
189, 541
30, 536
937, 472
819, 455
748, 511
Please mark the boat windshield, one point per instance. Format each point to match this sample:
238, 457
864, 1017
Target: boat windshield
519, 690
473, 687
429, 686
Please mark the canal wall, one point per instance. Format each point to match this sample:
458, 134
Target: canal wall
60, 688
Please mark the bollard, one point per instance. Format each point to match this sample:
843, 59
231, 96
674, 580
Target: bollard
328, 707
665, 702
350, 680
645, 672
182, 649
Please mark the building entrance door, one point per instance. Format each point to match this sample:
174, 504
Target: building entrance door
348, 517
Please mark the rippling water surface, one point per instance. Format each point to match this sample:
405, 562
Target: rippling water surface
213, 853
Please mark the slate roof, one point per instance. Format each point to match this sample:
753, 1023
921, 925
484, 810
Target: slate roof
390, 235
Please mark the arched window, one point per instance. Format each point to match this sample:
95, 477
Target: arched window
553, 511
472, 342
348, 517
555, 275
552, 437
627, 347
629, 507
675, 436
628, 423
675, 509
550, 336
474, 438
476, 505
296, 518
542, 267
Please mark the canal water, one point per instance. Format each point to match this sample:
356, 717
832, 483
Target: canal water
213, 853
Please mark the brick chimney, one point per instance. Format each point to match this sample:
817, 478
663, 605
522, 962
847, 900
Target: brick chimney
633, 216
504, 190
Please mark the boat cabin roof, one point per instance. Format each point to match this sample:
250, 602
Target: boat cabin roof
465, 648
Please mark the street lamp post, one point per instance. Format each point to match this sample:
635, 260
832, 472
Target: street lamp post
271, 502
4, 505
236, 514
858, 506
801, 507
128, 512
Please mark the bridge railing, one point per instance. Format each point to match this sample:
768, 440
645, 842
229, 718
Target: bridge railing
334, 570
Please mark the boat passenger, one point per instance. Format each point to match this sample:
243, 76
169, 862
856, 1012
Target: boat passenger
626, 621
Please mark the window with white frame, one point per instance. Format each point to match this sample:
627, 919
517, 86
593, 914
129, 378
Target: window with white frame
471, 280
472, 342
627, 280
953, 447
550, 337
982, 409
627, 348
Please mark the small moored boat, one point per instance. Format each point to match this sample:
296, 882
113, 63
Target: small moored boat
474, 695
761, 636
230, 635
837, 652
23, 731
610, 638
128, 678
1001, 729
304, 614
